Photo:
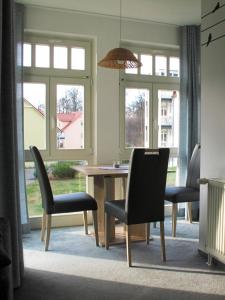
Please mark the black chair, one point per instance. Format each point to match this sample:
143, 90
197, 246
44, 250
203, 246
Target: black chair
144, 201
188, 193
57, 204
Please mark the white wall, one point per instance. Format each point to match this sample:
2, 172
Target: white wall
104, 31
212, 107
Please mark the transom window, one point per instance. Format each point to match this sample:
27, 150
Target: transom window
156, 63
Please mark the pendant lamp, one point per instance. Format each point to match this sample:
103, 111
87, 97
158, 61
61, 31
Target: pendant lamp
120, 58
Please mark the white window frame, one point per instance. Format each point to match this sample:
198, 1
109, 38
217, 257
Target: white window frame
153, 83
51, 76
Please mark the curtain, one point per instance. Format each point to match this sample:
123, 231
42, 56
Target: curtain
9, 170
189, 96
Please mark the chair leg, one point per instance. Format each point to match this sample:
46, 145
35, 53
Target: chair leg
147, 233
128, 246
107, 230
85, 222
95, 223
190, 211
174, 219
43, 226
162, 238
48, 228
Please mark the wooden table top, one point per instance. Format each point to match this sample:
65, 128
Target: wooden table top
102, 170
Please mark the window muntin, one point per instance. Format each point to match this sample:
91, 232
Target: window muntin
34, 94
42, 56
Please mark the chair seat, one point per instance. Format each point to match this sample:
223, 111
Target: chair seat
73, 202
116, 208
178, 194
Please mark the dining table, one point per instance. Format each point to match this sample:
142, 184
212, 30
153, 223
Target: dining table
104, 189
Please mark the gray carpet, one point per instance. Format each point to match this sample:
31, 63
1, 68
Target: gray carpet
75, 269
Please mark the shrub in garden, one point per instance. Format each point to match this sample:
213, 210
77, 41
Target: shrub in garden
62, 170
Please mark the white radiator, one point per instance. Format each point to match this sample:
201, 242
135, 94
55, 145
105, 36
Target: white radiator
215, 244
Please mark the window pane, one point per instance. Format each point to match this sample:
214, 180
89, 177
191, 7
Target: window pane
42, 53
62, 182
60, 57
78, 58
136, 117
132, 70
27, 55
160, 66
146, 68
70, 116
168, 118
34, 115
174, 67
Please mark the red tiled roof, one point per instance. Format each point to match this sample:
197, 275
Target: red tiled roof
69, 117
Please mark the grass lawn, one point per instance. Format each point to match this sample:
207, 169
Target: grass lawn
60, 186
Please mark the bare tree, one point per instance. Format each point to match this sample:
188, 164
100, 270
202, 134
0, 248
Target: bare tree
71, 102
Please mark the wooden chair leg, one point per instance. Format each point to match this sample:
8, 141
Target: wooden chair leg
147, 233
95, 223
190, 211
107, 230
43, 226
48, 230
85, 222
128, 246
174, 219
162, 238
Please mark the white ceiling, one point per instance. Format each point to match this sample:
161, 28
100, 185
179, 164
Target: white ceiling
178, 12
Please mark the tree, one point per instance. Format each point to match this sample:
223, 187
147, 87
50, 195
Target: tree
71, 102
135, 121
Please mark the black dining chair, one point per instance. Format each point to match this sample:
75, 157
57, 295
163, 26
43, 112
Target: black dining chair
188, 193
145, 193
57, 204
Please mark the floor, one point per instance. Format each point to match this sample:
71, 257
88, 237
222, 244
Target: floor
100, 274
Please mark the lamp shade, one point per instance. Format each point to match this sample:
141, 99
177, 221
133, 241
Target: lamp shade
120, 58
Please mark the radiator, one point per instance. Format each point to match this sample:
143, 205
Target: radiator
215, 243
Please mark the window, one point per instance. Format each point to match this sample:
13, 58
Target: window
56, 89
57, 97
149, 104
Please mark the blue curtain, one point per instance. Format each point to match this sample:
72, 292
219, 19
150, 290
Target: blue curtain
9, 146
189, 95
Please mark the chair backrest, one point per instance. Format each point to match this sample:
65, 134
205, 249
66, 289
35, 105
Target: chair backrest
42, 176
193, 173
146, 185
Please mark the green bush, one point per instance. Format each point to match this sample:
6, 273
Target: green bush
62, 170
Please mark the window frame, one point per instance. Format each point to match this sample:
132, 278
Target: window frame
153, 83
52, 75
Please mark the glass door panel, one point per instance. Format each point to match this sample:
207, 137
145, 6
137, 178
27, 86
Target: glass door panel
34, 114
168, 118
70, 116
137, 117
